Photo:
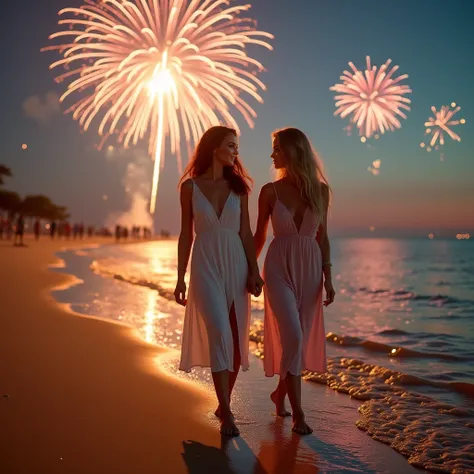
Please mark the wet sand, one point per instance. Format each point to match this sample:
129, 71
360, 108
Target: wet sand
80, 395
83, 395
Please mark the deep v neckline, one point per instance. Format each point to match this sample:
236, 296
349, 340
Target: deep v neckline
298, 229
218, 216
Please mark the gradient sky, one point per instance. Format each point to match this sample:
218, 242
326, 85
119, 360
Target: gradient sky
415, 192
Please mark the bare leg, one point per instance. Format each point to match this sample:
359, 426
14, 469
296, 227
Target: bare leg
237, 358
224, 384
278, 398
293, 386
221, 384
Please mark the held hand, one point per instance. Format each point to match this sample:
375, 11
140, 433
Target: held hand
180, 293
255, 284
330, 293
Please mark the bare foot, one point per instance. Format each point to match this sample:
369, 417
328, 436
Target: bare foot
279, 404
300, 426
228, 426
218, 412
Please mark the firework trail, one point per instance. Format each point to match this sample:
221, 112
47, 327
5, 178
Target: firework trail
158, 68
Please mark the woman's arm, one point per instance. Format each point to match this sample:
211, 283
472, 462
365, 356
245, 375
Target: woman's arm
246, 236
185, 240
325, 246
264, 212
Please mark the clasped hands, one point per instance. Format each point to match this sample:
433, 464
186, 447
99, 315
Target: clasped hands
255, 284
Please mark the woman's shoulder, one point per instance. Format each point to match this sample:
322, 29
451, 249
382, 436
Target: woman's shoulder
269, 187
325, 192
187, 184
324, 189
187, 187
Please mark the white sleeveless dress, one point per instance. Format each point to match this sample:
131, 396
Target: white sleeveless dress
218, 280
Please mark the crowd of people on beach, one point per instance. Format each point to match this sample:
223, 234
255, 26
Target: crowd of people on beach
14, 228
136, 232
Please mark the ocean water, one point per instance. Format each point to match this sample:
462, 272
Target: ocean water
400, 335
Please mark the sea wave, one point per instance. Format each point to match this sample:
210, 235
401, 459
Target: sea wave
395, 377
139, 274
389, 349
107, 269
407, 295
432, 435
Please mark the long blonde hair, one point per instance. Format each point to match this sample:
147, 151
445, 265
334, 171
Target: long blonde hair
304, 166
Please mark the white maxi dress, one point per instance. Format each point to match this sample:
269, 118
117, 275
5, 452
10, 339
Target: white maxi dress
218, 280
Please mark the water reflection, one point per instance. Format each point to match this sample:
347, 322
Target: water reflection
281, 455
149, 330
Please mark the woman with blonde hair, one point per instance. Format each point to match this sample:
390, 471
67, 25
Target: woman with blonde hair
214, 201
296, 261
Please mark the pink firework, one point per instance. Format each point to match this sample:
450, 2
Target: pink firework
373, 98
440, 124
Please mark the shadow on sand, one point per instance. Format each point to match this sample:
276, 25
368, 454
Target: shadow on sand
233, 457
282, 452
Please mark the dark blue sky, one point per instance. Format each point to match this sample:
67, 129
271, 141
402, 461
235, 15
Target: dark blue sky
431, 41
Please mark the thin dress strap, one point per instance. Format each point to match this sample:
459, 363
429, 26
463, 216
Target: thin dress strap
274, 188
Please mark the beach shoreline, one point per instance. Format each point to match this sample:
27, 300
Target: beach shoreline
84, 395
79, 394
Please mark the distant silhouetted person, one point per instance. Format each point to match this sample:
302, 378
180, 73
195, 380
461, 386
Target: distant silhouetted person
60, 229
36, 229
81, 230
90, 231
52, 229
67, 230
9, 227
2, 226
118, 232
19, 231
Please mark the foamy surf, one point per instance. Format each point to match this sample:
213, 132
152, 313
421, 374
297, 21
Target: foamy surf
432, 435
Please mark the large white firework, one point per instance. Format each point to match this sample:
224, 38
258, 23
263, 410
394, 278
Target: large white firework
372, 98
157, 68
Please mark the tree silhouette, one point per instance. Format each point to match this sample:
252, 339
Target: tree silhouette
10, 201
4, 171
37, 205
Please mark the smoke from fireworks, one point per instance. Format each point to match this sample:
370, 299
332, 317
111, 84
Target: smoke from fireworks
372, 99
157, 69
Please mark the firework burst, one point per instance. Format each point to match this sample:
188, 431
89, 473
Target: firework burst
152, 69
373, 99
439, 125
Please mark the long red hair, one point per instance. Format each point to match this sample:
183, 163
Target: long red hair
236, 175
